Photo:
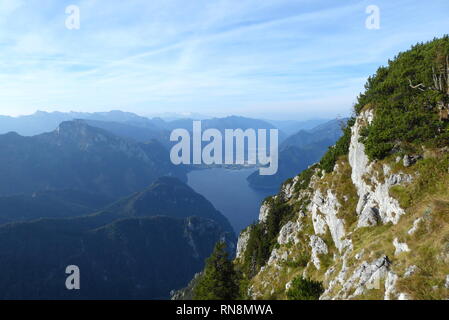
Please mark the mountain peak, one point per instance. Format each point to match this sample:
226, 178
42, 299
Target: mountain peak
79, 129
164, 197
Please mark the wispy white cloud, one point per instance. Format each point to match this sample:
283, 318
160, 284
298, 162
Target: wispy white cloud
212, 56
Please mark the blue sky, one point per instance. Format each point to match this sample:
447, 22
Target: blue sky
263, 58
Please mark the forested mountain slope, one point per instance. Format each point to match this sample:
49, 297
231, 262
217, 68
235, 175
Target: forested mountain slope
78, 156
136, 248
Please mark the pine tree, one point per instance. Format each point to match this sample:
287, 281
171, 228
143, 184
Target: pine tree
219, 280
305, 289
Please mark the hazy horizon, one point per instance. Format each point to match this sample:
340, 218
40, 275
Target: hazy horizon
276, 59
170, 115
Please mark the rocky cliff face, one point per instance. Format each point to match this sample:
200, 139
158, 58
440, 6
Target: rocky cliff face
374, 205
354, 229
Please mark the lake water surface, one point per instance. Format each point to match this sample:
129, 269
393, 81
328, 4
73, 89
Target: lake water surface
230, 193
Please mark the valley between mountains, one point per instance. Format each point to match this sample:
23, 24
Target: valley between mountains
101, 193
360, 211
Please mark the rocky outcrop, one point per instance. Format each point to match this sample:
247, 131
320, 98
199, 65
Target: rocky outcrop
242, 242
264, 211
390, 286
187, 292
324, 210
277, 256
400, 246
318, 247
409, 160
366, 276
288, 189
288, 232
410, 271
320, 239
415, 226
375, 203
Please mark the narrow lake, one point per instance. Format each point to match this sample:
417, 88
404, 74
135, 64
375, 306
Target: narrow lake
229, 192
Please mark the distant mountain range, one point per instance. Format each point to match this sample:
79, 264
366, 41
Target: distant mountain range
305, 146
290, 127
142, 129
137, 132
299, 151
42, 121
78, 156
108, 200
98, 190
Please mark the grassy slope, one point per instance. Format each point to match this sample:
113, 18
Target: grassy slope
427, 197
